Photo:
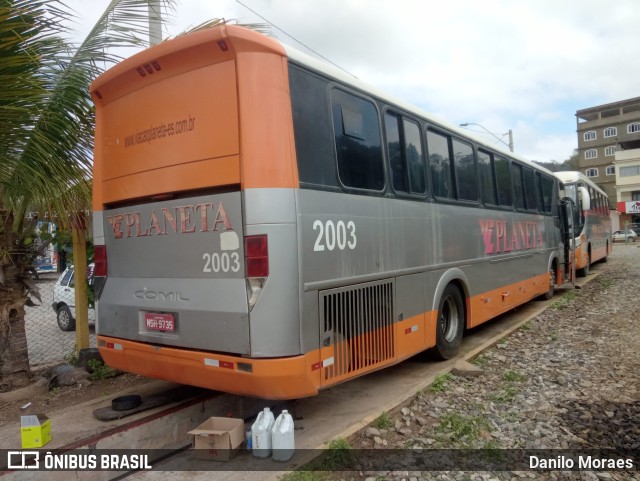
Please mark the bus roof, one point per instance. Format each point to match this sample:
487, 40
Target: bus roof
247, 39
342, 76
573, 177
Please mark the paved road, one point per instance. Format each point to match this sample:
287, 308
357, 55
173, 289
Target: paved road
335, 412
344, 409
341, 410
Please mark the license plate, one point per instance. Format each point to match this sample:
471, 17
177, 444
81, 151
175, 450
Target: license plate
154, 321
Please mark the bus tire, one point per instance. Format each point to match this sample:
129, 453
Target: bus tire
449, 324
552, 284
584, 272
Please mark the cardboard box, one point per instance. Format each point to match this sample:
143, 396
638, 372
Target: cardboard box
35, 430
218, 439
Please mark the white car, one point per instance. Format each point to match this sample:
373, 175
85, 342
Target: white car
620, 235
64, 300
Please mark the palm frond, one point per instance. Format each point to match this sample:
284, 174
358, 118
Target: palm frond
258, 27
48, 157
124, 24
28, 37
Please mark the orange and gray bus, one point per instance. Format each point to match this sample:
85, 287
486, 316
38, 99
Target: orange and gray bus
592, 223
268, 225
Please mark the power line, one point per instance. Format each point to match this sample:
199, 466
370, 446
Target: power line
295, 39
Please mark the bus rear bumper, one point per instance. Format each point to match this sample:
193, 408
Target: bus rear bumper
281, 378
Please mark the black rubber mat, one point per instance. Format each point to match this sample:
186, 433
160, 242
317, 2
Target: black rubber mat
182, 393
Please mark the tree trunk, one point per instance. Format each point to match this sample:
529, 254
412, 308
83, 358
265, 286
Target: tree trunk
14, 356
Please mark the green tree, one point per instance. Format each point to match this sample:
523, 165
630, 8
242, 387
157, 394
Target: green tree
571, 163
46, 139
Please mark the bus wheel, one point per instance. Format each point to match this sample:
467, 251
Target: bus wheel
450, 324
552, 284
584, 272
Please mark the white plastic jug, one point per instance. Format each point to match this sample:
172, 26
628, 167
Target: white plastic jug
261, 434
282, 437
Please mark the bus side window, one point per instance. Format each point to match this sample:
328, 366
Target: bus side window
312, 129
358, 142
518, 188
530, 191
503, 179
404, 148
600, 204
487, 181
414, 157
394, 152
546, 187
466, 171
440, 164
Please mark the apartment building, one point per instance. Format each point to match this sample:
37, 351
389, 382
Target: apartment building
609, 150
628, 188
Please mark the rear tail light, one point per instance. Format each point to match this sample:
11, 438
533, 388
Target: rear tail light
99, 269
100, 260
256, 251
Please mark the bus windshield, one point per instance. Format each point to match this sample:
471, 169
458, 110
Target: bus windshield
570, 191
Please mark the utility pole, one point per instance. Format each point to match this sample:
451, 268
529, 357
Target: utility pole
155, 23
510, 133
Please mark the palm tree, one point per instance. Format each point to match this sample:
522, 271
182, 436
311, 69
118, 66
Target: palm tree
46, 139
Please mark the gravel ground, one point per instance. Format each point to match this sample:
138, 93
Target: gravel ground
568, 379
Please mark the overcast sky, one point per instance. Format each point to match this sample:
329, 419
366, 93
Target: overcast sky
524, 65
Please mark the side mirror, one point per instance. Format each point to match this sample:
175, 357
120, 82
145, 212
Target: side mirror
569, 204
584, 198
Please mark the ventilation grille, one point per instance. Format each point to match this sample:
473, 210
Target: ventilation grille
358, 322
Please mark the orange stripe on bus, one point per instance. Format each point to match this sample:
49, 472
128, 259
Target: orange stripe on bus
597, 253
376, 349
304, 375
581, 256
285, 378
492, 303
